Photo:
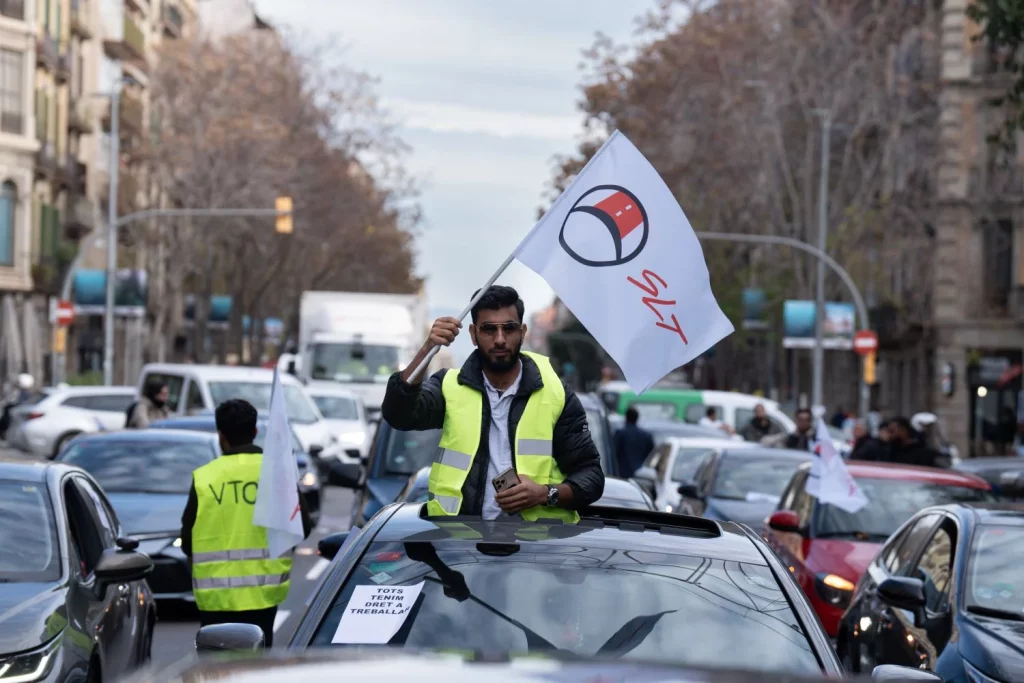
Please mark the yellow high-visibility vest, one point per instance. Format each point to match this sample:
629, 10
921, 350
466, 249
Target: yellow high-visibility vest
232, 570
461, 434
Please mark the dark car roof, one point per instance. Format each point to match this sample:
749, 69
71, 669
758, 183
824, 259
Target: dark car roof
772, 453
602, 527
19, 469
152, 434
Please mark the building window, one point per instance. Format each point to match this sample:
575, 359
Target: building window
998, 255
15, 9
12, 92
8, 222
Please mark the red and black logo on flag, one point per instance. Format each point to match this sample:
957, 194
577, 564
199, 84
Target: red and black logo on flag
611, 210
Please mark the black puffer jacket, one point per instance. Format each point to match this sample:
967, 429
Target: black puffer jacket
417, 407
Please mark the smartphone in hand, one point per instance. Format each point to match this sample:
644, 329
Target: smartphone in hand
505, 480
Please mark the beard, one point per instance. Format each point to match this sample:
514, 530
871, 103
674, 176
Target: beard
501, 364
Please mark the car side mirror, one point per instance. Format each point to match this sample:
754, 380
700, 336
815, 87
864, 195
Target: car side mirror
120, 566
689, 490
315, 450
785, 521
353, 453
230, 638
903, 592
291, 367
891, 673
329, 546
127, 543
345, 475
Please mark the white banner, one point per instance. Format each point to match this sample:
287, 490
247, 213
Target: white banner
829, 480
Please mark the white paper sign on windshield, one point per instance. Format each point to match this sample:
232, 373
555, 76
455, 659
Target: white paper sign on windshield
375, 613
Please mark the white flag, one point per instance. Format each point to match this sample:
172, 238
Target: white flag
277, 498
829, 480
619, 251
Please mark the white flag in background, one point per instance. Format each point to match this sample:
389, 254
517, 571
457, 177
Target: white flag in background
829, 480
618, 250
277, 499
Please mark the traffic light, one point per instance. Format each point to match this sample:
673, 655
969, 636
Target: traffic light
869, 368
284, 215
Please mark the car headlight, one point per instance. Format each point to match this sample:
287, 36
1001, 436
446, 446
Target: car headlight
353, 438
834, 589
308, 479
975, 676
30, 666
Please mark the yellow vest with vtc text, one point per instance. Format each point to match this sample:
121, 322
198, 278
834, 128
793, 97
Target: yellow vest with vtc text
461, 435
232, 570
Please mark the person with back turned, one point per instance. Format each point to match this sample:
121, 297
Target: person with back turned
234, 579
505, 408
632, 444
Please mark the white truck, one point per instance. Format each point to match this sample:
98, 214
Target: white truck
358, 340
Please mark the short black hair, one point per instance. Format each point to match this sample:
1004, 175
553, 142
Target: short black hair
710, 412
153, 387
497, 297
902, 422
632, 415
236, 422
807, 411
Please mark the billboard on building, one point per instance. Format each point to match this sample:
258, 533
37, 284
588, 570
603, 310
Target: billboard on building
89, 292
753, 309
799, 319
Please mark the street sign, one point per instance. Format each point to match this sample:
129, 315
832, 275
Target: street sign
865, 342
869, 368
65, 313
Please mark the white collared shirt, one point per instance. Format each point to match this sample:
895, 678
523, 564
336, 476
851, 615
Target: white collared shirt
498, 444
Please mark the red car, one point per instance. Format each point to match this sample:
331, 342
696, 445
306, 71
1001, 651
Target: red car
828, 549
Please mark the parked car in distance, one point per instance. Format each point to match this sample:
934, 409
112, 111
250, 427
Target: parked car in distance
662, 429
674, 462
345, 415
74, 604
828, 549
44, 427
946, 593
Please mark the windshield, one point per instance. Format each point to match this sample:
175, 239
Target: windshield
580, 601
354, 362
684, 467
337, 407
142, 466
994, 578
409, 452
744, 478
596, 425
28, 535
261, 437
891, 502
300, 408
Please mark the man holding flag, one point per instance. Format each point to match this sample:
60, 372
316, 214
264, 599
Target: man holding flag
243, 518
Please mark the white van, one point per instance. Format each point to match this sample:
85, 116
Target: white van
736, 410
201, 388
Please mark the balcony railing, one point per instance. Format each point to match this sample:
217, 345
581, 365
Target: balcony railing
46, 52
13, 9
172, 21
80, 19
134, 38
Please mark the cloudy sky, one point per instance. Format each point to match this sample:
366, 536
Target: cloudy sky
486, 94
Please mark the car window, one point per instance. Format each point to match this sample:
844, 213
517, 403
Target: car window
994, 577
107, 525
81, 521
300, 408
144, 465
741, 478
112, 403
82, 402
661, 466
694, 412
337, 407
902, 554
891, 502
934, 566
654, 410
742, 417
194, 404
409, 452
599, 434
706, 472
796, 484
688, 461
803, 505
580, 602
173, 383
659, 454
29, 550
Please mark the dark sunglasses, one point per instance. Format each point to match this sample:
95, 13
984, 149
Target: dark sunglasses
491, 329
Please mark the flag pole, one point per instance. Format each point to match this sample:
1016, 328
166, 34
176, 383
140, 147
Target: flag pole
469, 307
511, 257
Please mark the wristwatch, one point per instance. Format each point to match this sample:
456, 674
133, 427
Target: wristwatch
552, 496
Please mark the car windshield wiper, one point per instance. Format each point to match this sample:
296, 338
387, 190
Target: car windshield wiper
995, 613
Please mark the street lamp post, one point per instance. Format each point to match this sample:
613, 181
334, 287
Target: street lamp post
115, 167
819, 325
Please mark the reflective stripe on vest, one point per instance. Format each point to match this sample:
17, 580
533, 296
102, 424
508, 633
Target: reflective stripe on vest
461, 435
232, 570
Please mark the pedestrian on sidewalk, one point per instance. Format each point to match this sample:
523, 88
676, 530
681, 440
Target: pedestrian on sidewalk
150, 408
505, 408
632, 443
234, 578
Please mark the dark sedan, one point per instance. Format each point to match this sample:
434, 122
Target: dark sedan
73, 601
147, 475
1005, 475
309, 477
946, 593
741, 485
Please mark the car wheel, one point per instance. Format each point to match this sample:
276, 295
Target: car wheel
61, 443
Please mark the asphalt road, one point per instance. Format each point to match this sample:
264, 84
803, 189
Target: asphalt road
176, 629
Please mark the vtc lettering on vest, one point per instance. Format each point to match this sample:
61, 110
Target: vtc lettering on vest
247, 494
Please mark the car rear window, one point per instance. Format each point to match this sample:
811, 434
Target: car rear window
577, 601
28, 535
140, 465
